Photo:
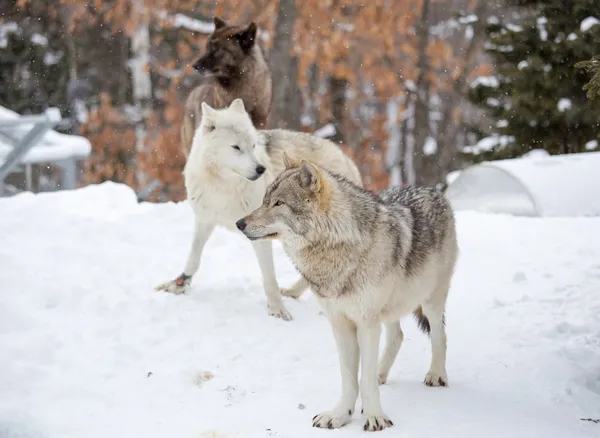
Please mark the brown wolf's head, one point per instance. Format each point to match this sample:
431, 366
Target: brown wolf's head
293, 206
226, 49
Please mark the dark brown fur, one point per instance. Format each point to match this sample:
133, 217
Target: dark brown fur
236, 68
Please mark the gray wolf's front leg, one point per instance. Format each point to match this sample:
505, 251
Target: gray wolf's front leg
369, 333
180, 285
344, 332
296, 290
264, 254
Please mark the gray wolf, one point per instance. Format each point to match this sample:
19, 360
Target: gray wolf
370, 259
237, 69
226, 175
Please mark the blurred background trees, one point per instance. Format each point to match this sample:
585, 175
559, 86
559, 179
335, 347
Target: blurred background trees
413, 90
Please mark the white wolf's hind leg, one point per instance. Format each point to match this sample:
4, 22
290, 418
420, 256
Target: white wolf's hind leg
394, 338
344, 332
180, 285
264, 254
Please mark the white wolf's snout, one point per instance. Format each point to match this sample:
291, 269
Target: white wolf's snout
257, 172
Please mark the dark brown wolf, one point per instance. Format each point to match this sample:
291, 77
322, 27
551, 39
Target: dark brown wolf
235, 64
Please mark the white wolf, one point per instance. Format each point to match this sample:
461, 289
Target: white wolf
226, 175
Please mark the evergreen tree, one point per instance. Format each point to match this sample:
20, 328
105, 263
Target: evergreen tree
592, 67
537, 99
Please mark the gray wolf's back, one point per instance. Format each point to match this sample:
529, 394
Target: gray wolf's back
430, 217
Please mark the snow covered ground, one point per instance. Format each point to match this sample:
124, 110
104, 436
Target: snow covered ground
88, 349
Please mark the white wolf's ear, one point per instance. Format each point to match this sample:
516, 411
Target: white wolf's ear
238, 105
207, 110
310, 176
208, 116
219, 22
289, 162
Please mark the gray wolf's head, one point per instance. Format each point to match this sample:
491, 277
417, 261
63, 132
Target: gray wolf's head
294, 206
229, 141
226, 49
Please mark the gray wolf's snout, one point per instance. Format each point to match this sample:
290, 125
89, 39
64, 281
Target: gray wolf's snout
260, 169
241, 224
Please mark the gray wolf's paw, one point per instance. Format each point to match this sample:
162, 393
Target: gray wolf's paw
178, 286
332, 419
374, 423
291, 292
433, 379
278, 310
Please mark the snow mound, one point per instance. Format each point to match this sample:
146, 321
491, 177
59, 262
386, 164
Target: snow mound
535, 185
588, 23
90, 350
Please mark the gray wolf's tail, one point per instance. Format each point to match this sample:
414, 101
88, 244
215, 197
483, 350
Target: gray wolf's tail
423, 322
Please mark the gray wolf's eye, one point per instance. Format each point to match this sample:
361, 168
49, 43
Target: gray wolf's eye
236, 147
278, 203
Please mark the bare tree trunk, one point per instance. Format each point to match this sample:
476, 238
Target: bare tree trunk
337, 90
422, 96
140, 75
283, 67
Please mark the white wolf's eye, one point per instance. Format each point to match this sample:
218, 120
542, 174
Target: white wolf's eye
278, 203
236, 147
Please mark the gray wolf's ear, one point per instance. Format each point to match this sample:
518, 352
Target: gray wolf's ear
247, 37
238, 105
219, 22
289, 162
310, 176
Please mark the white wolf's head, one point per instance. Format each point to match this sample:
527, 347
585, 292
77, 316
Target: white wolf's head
228, 139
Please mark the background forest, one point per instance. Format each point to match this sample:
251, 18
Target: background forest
413, 89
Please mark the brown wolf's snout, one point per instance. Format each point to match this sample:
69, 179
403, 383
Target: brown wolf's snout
203, 63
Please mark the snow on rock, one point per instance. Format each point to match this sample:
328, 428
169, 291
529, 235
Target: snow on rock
53, 146
514, 27
572, 37
591, 145
486, 81
430, 146
489, 143
564, 104
325, 131
588, 23
89, 349
536, 153
541, 26
5, 30
39, 39
522, 64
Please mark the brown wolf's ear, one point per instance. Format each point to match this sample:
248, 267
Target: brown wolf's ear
310, 176
247, 37
219, 22
289, 162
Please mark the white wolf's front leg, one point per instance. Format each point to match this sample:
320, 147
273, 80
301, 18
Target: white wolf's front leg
344, 332
264, 254
202, 232
369, 333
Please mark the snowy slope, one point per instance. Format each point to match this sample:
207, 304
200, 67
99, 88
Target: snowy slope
88, 349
